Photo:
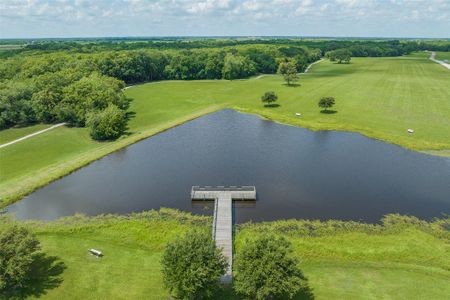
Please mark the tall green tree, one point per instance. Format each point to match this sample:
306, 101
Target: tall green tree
340, 55
192, 266
90, 94
214, 64
15, 105
107, 124
237, 66
288, 69
43, 104
17, 246
264, 268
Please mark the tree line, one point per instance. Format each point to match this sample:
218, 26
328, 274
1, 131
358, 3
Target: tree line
86, 89
81, 83
359, 47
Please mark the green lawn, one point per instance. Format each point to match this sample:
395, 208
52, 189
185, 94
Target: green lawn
378, 97
363, 262
443, 55
408, 261
18, 132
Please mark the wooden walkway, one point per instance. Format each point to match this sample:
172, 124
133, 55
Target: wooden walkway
222, 231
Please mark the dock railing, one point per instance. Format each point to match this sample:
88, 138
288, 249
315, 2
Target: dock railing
216, 202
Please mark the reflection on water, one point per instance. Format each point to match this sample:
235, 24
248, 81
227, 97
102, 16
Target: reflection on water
297, 173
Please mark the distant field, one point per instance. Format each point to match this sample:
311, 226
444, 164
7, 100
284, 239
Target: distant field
10, 47
378, 97
403, 262
443, 55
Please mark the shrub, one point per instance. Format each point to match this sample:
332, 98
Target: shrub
17, 246
269, 97
107, 124
192, 266
326, 102
265, 269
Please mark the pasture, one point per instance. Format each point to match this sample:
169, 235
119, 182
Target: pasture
377, 97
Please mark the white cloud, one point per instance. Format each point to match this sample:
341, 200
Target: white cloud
219, 15
349, 3
252, 5
304, 7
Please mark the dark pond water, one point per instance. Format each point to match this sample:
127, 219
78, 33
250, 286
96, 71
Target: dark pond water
297, 173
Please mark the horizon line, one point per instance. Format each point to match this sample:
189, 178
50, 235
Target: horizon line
222, 36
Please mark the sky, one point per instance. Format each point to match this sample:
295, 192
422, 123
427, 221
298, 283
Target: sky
114, 18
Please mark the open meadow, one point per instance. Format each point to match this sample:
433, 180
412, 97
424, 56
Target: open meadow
377, 97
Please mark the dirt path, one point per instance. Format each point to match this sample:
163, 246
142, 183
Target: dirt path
432, 57
260, 76
309, 67
32, 134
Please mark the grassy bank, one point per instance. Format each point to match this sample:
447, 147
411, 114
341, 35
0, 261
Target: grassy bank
378, 97
35, 162
402, 259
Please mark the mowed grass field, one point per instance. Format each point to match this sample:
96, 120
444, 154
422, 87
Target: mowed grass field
16, 133
443, 55
378, 97
388, 263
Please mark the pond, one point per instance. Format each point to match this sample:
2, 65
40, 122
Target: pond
297, 173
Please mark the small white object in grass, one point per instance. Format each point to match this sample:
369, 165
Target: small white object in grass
298, 114
96, 252
410, 130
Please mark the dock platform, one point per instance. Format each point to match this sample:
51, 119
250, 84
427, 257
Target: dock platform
222, 231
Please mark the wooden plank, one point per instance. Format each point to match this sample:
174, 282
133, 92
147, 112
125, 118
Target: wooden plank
224, 231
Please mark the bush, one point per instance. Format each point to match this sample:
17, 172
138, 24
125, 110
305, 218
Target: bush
326, 102
265, 269
192, 266
107, 124
269, 97
17, 246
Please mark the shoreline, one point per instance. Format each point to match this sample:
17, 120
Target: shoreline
25, 186
15, 189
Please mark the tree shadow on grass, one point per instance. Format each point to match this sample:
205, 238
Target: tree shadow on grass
274, 105
44, 275
227, 293
328, 111
129, 115
306, 293
293, 85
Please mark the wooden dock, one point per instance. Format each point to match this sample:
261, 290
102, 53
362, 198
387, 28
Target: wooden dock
222, 231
